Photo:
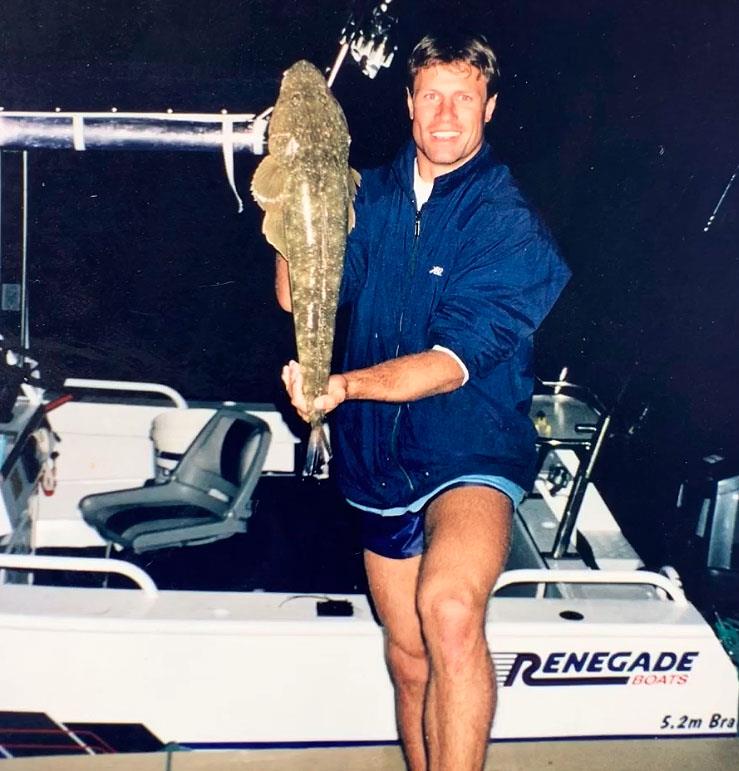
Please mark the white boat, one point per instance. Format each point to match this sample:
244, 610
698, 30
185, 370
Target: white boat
586, 644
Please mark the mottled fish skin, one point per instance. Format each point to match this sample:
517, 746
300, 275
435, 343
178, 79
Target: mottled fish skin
306, 189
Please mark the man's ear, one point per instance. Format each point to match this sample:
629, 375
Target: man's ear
490, 107
409, 100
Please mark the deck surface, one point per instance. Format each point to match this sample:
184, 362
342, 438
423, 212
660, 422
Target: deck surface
645, 755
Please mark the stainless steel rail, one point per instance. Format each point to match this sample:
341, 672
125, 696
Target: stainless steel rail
82, 565
132, 130
546, 576
123, 385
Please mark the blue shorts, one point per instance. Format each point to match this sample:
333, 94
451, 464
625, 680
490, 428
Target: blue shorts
399, 533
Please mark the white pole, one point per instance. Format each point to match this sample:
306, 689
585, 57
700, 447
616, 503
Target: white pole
339, 60
25, 337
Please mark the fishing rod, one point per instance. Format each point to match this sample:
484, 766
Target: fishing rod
367, 37
712, 218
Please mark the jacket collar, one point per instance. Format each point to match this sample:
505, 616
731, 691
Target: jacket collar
403, 168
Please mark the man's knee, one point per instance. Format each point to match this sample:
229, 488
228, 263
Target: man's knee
408, 664
451, 619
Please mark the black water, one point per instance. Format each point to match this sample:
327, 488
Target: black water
618, 118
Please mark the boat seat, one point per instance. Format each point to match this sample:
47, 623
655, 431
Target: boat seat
206, 498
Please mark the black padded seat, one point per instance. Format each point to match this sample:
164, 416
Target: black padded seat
206, 498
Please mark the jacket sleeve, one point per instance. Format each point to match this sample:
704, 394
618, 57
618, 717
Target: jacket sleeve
509, 274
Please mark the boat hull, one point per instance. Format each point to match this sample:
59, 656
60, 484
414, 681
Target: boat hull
228, 670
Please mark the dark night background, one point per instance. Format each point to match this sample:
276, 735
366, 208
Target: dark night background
618, 118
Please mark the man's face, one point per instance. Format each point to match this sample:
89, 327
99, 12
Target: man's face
449, 110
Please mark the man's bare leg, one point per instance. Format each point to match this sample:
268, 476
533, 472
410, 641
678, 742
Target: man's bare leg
468, 531
393, 584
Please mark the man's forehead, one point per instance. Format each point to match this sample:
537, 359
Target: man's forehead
457, 70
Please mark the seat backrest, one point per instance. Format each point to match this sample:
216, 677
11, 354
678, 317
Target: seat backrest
225, 459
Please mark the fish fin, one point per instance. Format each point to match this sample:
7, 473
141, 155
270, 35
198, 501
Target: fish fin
267, 187
355, 179
318, 454
268, 183
273, 227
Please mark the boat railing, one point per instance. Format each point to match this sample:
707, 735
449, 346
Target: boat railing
580, 483
541, 577
34, 562
544, 576
130, 386
585, 438
576, 390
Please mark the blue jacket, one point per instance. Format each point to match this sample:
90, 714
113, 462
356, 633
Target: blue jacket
476, 272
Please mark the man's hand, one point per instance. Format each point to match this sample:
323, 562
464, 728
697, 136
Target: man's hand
335, 394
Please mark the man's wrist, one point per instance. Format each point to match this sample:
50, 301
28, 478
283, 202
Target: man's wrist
350, 385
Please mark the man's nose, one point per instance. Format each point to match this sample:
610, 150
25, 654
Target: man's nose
447, 108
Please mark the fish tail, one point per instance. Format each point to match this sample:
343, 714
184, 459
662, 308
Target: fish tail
319, 452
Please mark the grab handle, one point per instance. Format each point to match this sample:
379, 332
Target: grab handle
81, 565
122, 385
545, 576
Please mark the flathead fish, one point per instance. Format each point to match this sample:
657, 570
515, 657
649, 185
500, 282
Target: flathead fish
306, 189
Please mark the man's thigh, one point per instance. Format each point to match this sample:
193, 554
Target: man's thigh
467, 539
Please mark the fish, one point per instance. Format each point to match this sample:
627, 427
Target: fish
306, 188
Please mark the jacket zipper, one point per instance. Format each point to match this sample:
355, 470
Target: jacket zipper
396, 420
411, 273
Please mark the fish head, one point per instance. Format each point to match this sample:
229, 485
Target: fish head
305, 115
302, 79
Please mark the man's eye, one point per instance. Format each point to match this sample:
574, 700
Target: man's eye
465, 98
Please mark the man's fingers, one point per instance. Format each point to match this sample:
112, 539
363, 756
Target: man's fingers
336, 394
292, 378
323, 403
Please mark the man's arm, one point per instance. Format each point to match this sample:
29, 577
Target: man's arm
404, 379
282, 283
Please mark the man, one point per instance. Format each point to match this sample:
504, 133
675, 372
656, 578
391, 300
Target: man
449, 273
